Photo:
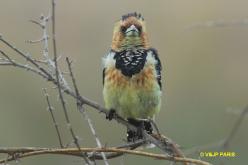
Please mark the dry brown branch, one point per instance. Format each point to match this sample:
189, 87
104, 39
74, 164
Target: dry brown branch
131, 146
26, 152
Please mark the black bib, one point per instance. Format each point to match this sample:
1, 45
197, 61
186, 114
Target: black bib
130, 62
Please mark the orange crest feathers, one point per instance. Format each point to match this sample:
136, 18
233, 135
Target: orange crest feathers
124, 23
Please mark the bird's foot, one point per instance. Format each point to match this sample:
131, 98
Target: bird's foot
133, 136
148, 127
111, 114
141, 126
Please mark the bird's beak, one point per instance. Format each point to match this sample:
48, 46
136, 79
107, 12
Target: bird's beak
132, 31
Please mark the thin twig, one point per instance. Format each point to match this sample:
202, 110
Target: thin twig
6, 63
75, 138
44, 39
75, 151
50, 108
131, 146
218, 23
222, 144
10, 62
235, 128
40, 61
83, 112
37, 23
13, 150
37, 41
155, 126
48, 77
51, 63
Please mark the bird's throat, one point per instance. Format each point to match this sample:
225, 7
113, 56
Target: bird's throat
131, 42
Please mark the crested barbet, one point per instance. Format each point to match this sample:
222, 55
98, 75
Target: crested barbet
132, 74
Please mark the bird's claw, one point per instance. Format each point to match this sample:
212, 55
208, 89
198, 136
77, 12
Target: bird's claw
111, 114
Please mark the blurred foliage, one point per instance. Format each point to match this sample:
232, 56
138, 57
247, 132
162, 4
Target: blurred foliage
204, 73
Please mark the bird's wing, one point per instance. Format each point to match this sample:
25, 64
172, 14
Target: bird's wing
158, 65
108, 61
103, 75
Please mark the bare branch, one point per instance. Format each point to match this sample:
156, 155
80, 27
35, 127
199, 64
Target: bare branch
45, 37
6, 63
76, 152
37, 41
75, 138
218, 23
49, 77
73, 80
222, 144
40, 61
50, 108
37, 23
10, 62
131, 146
92, 155
235, 128
83, 112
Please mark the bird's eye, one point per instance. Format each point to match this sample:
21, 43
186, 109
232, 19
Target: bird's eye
139, 28
123, 29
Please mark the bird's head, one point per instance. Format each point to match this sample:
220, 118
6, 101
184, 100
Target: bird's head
129, 31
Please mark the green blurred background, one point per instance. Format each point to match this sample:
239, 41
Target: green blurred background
204, 73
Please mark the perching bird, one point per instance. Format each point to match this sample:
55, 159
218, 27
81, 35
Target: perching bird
132, 74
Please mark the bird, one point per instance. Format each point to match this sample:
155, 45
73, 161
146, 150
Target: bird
132, 85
